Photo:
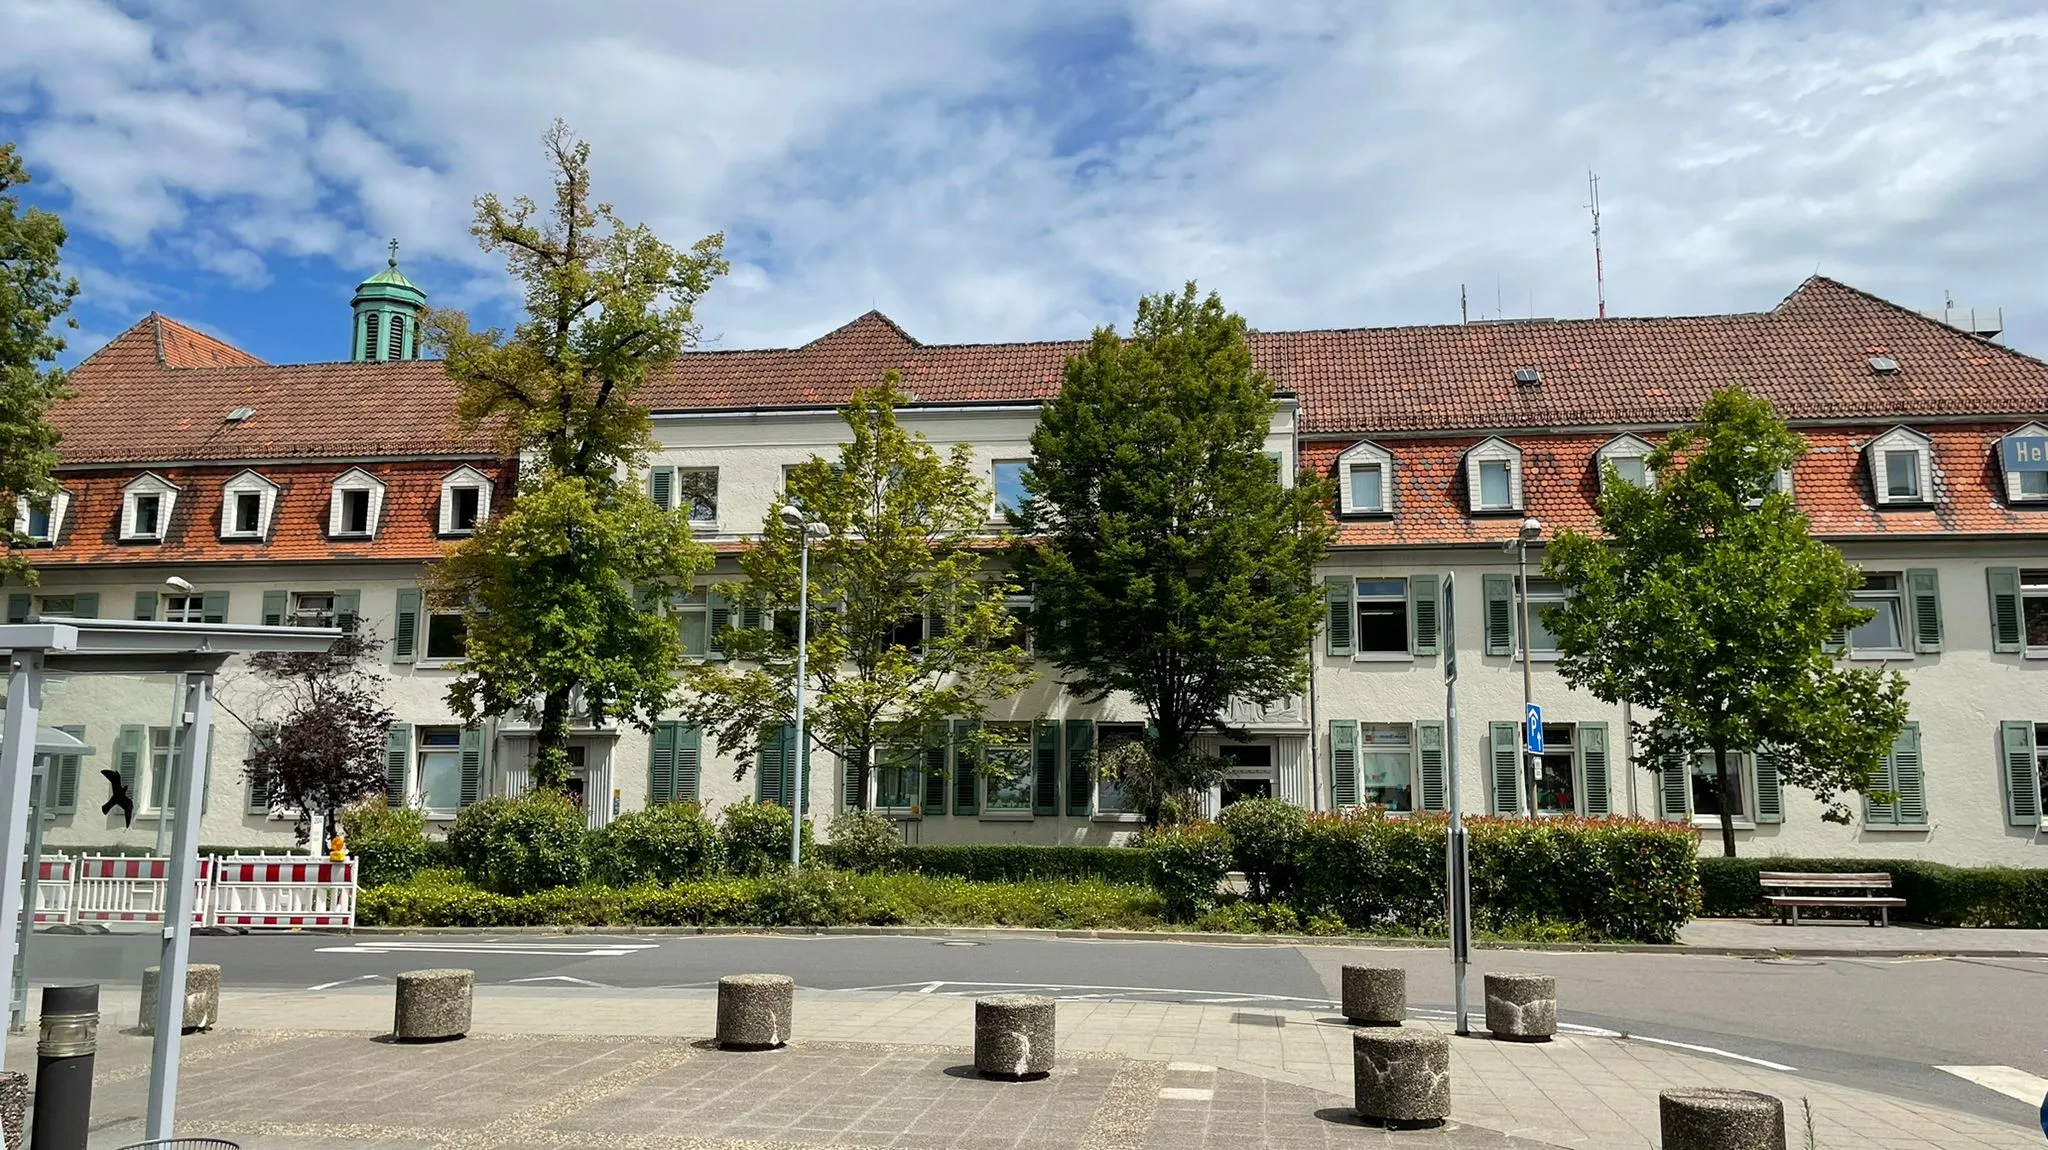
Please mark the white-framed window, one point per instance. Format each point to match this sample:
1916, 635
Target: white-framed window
1382, 610
246, 504
1109, 793
692, 612
697, 489
42, 524
357, 504
1544, 594
447, 637
1365, 480
1493, 476
2030, 483
897, 779
162, 762
184, 608
57, 606
1557, 771
1386, 765
1008, 779
1883, 592
1006, 478
146, 505
1901, 467
465, 501
1708, 803
311, 609
2034, 611
440, 770
1629, 457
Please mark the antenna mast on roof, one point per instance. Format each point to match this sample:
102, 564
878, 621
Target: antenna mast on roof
1464, 314
1599, 273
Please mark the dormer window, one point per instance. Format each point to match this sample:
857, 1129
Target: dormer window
1629, 457
2023, 456
1902, 468
357, 504
1365, 478
41, 524
246, 505
1493, 476
146, 509
465, 501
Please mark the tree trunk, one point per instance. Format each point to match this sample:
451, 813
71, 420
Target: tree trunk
551, 744
863, 774
1721, 780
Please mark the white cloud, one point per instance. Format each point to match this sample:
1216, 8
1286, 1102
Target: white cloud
1024, 170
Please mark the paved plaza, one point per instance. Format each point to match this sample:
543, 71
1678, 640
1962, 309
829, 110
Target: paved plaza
556, 1068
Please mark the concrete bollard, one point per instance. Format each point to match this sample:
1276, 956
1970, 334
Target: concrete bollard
1014, 1036
1375, 995
202, 997
13, 1107
1521, 1007
433, 1005
1716, 1118
1401, 1077
755, 1011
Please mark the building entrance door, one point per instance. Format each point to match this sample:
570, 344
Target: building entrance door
1250, 775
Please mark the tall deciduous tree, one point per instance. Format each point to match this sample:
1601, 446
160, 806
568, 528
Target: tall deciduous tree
325, 749
1166, 558
549, 581
34, 295
1707, 600
908, 625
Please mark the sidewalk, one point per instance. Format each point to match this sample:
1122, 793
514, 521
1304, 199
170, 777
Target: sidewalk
603, 1068
1841, 936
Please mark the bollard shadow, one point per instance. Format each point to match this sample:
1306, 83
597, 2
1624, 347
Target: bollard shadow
1344, 1116
394, 1040
968, 1071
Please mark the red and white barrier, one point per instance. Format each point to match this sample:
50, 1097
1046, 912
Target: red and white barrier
55, 883
117, 889
283, 891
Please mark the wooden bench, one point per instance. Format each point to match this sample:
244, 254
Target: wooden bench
1781, 891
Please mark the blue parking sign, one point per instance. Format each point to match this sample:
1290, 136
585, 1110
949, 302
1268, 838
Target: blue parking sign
1532, 722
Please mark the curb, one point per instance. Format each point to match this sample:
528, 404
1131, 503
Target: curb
1190, 936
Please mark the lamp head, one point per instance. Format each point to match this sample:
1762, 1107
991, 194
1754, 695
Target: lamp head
179, 583
792, 516
1532, 528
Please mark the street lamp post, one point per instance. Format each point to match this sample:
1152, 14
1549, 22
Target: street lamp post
806, 528
1530, 531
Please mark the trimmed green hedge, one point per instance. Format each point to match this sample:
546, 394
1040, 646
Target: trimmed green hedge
814, 898
1009, 862
1936, 894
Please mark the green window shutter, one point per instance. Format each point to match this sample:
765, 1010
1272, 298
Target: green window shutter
1594, 785
689, 765
2006, 636
768, 769
1435, 791
1080, 741
1423, 614
257, 799
849, 777
934, 769
405, 629
63, 799
274, 607
17, 608
1505, 748
397, 765
472, 748
1837, 640
966, 779
661, 764
1344, 762
661, 486
145, 606
348, 607
128, 752
721, 618
1876, 813
1500, 613
1908, 779
1045, 770
1337, 632
213, 607
752, 617
1770, 788
1674, 788
1923, 589
85, 605
2022, 774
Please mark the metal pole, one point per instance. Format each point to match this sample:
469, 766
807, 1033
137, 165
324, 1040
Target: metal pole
803, 644
1457, 888
64, 1056
17, 770
1528, 686
17, 1019
180, 873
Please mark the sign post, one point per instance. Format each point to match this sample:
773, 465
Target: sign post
1457, 855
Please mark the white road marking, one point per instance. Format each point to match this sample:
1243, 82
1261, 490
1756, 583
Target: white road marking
2031, 1089
346, 981
1189, 1068
564, 978
531, 949
1186, 1094
1766, 1063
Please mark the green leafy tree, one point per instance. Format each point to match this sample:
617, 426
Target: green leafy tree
909, 626
1706, 600
34, 295
1167, 561
548, 582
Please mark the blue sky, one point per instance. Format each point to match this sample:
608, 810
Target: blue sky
1025, 170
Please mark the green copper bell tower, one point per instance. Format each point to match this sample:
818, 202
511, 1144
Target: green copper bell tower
388, 310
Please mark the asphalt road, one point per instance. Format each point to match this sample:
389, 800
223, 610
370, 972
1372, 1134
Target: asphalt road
1879, 1024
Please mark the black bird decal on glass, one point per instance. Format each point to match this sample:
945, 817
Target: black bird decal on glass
120, 798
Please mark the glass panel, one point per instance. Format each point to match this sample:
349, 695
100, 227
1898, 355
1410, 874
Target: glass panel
1009, 758
2034, 484
1902, 474
1383, 588
159, 765
184, 609
441, 779
447, 636
2034, 611
312, 610
248, 506
1493, 483
695, 629
1365, 487
1881, 633
1554, 779
57, 606
1706, 787
1631, 468
1387, 779
39, 521
463, 513
145, 514
896, 780
1544, 594
1009, 484
698, 486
